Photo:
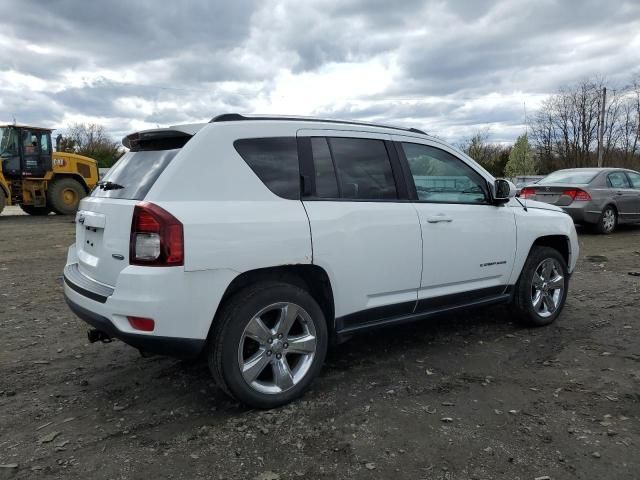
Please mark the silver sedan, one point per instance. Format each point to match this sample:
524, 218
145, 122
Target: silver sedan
602, 197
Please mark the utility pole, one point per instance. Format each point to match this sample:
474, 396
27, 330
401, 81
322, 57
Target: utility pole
601, 129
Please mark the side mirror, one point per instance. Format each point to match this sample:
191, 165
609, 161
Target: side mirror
503, 190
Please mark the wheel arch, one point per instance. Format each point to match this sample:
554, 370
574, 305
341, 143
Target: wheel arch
612, 204
523, 304
561, 243
312, 278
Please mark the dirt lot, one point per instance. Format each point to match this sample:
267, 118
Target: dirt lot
470, 396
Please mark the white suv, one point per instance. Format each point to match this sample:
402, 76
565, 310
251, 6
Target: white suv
259, 240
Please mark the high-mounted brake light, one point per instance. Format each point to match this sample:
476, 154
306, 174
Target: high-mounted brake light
527, 192
157, 237
577, 194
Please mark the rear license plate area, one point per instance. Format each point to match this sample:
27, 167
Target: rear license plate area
547, 197
92, 239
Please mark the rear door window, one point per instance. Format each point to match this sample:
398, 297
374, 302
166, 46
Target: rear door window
326, 181
364, 168
275, 161
635, 179
618, 180
134, 174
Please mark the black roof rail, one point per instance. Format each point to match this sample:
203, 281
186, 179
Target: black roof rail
235, 117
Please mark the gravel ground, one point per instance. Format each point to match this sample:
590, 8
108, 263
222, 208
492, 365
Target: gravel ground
470, 396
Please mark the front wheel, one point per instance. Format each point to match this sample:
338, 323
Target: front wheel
268, 344
541, 291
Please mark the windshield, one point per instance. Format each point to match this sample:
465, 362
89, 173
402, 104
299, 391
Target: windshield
134, 174
8, 141
578, 177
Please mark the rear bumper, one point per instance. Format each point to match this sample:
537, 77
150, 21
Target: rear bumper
182, 304
582, 213
174, 347
84, 285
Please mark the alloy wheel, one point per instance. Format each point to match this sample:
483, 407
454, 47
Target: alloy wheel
608, 220
277, 348
547, 288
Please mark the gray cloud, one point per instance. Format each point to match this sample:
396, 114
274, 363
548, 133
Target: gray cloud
147, 62
527, 46
123, 32
32, 109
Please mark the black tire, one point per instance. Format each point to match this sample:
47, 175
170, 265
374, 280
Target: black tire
604, 225
228, 332
2, 200
64, 195
523, 299
35, 211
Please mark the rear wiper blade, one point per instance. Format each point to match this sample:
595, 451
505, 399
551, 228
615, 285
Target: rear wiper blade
109, 185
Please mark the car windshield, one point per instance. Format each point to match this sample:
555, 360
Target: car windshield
569, 176
8, 141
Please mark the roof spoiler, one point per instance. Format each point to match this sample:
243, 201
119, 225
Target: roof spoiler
157, 139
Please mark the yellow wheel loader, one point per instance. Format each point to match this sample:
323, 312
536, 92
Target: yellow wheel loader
38, 179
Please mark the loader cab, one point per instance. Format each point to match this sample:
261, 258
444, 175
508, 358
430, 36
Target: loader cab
25, 151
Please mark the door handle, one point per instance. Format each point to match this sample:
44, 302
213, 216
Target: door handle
439, 219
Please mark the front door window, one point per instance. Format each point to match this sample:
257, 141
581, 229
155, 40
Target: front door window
440, 177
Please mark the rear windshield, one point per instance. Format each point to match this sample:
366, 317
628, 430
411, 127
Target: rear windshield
579, 178
134, 174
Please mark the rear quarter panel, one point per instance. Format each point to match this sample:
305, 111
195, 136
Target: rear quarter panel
600, 197
231, 219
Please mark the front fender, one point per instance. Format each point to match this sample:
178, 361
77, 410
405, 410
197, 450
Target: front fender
534, 224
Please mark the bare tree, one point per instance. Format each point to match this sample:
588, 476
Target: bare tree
629, 124
612, 123
565, 129
544, 137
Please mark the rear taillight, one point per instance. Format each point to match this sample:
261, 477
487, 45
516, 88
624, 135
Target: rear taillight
156, 237
527, 192
577, 194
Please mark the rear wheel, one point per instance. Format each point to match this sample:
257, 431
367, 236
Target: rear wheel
35, 211
541, 290
268, 344
64, 195
608, 220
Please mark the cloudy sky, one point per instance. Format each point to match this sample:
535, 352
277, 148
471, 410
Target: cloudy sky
449, 67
